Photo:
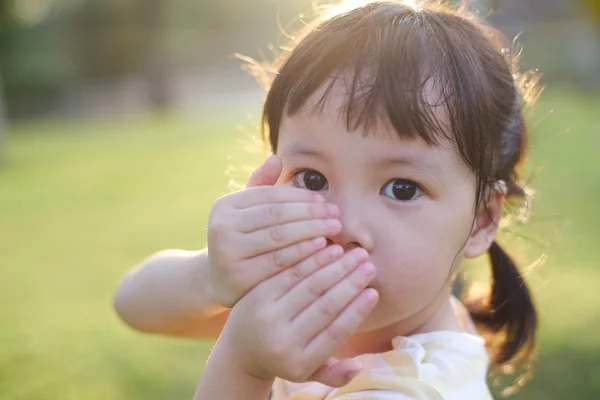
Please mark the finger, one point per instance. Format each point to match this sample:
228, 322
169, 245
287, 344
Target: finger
274, 194
278, 236
337, 333
265, 215
269, 264
322, 312
290, 277
337, 373
266, 174
322, 280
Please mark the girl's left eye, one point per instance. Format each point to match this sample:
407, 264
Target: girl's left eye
401, 189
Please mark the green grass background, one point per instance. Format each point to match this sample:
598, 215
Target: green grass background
81, 201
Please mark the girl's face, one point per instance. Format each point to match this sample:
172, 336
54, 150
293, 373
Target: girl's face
411, 206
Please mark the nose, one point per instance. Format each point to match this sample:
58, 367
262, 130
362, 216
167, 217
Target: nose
355, 230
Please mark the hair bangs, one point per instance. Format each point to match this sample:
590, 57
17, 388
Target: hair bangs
364, 57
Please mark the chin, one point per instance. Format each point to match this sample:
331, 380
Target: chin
387, 314
377, 319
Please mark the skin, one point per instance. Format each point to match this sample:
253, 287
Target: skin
350, 308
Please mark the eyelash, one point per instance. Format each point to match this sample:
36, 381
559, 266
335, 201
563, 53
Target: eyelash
294, 177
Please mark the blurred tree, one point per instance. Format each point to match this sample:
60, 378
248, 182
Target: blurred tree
5, 28
32, 61
3, 121
594, 8
107, 39
113, 39
157, 68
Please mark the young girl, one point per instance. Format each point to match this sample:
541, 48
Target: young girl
397, 133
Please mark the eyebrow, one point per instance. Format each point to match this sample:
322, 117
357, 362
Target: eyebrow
300, 149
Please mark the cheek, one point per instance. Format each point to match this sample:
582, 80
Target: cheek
450, 235
409, 258
418, 250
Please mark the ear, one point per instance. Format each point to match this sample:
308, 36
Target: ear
486, 223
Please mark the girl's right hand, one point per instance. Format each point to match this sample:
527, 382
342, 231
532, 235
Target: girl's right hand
255, 233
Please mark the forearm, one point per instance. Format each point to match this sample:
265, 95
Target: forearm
224, 380
169, 294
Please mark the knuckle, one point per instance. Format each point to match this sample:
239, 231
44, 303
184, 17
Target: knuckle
316, 288
274, 212
334, 332
277, 259
327, 308
296, 275
276, 234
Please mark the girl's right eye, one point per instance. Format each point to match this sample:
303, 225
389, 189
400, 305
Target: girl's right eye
310, 179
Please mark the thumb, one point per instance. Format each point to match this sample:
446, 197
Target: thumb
337, 373
267, 174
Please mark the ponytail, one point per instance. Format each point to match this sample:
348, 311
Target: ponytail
509, 313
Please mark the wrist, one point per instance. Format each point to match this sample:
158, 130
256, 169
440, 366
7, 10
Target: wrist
202, 280
244, 367
225, 377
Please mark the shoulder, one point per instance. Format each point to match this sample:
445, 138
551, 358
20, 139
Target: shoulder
384, 395
431, 366
387, 388
437, 365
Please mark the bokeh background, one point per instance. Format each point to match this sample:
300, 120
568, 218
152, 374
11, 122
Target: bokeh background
122, 121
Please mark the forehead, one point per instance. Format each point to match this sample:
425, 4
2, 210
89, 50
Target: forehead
324, 118
357, 99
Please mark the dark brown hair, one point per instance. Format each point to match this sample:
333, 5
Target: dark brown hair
390, 55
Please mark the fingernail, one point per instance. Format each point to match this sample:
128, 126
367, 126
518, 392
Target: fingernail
336, 251
333, 225
361, 255
371, 295
320, 241
367, 270
332, 210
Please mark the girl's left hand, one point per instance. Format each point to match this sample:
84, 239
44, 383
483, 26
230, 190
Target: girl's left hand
289, 325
